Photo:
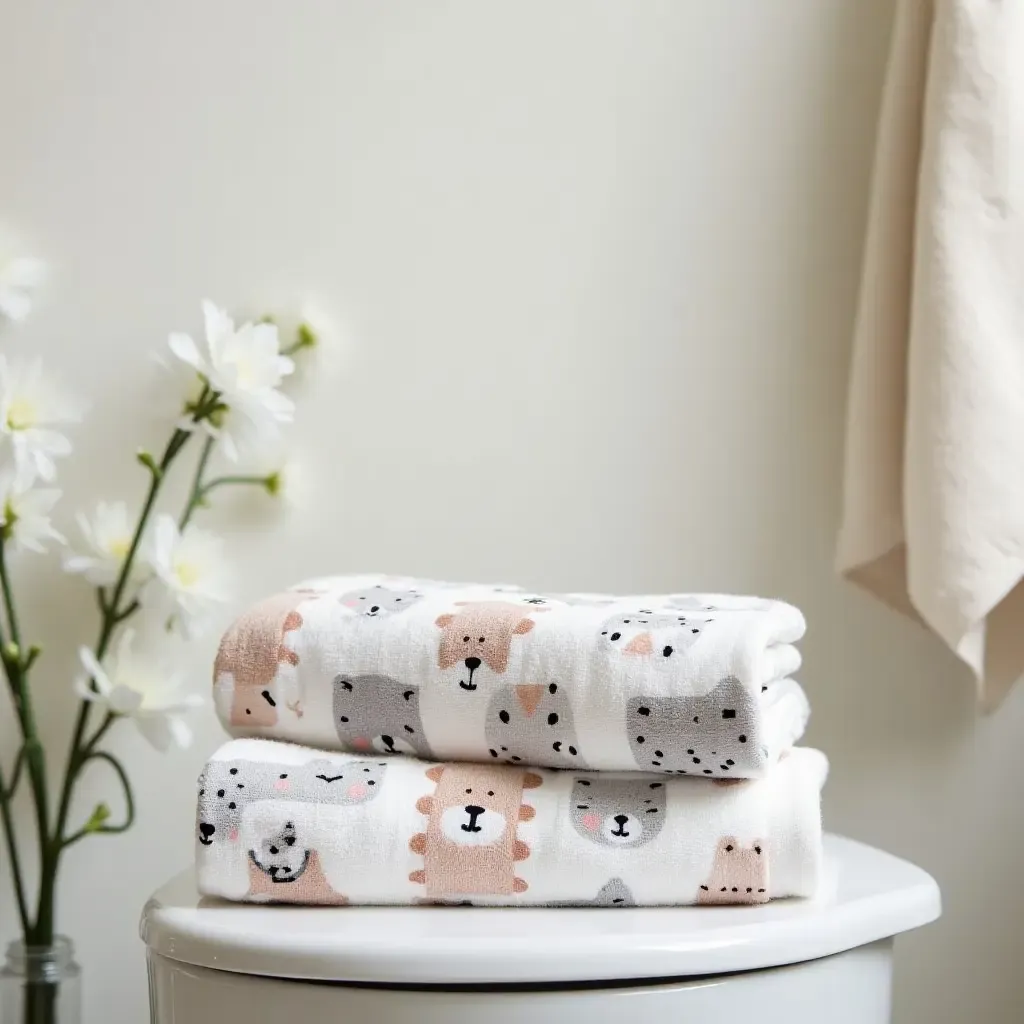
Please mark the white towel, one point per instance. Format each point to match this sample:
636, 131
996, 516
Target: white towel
681, 684
278, 822
933, 519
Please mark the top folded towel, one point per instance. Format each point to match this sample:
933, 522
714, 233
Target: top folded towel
679, 683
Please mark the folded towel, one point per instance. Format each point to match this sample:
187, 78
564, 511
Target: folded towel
278, 822
679, 683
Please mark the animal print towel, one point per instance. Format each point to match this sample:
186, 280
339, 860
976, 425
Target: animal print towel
678, 684
283, 823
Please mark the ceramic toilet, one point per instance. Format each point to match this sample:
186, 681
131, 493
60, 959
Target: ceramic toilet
791, 962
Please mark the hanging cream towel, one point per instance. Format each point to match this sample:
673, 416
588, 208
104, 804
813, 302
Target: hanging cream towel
933, 512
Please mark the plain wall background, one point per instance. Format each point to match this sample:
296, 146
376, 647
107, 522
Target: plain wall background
598, 264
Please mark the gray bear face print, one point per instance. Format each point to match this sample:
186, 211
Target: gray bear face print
280, 857
618, 812
376, 712
708, 735
658, 635
226, 788
373, 602
532, 724
614, 893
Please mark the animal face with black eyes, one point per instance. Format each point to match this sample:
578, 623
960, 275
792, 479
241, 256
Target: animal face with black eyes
376, 712
532, 723
482, 633
374, 602
710, 735
226, 788
279, 857
657, 635
617, 811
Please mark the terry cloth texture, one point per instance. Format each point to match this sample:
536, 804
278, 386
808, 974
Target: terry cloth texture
682, 684
282, 823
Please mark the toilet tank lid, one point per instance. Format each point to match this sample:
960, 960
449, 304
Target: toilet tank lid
868, 895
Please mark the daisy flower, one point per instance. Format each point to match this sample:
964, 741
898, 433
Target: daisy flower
31, 405
245, 366
25, 514
190, 569
142, 690
108, 537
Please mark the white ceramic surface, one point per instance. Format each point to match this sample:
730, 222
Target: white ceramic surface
851, 988
870, 895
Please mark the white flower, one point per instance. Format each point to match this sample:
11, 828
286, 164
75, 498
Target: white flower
190, 568
20, 277
305, 324
292, 483
285, 476
329, 336
30, 405
25, 514
108, 537
129, 685
246, 367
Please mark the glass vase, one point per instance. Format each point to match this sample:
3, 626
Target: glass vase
41, 984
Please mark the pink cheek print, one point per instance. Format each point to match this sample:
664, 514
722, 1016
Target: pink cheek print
361, 743
591, 821
233, 835
358, 791
281, 785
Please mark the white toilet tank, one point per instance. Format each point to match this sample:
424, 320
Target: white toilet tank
790, 961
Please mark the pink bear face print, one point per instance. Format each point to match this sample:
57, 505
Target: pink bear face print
481, 633
739, 874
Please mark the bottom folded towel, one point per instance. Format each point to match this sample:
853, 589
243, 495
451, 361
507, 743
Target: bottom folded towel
282, 823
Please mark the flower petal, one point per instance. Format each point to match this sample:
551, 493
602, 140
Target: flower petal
185, 349
181, 732
96, 672
75, 564
81, 687
124, 700
218, 326
156, 729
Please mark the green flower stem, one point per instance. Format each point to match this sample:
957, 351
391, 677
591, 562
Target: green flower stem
195, 494
12, 850
5, 582
107, 722
111, 616
225, 481
102, 828
109, 623
19, 763
14, 666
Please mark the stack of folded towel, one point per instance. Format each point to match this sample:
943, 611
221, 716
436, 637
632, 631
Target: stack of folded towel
508, 748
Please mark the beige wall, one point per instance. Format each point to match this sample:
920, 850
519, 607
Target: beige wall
599, 261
